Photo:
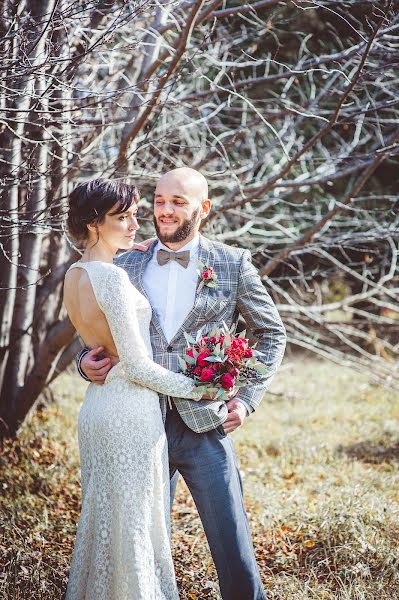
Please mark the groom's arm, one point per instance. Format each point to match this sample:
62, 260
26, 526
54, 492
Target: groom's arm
263, 321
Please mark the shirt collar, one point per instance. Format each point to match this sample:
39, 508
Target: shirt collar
192, 246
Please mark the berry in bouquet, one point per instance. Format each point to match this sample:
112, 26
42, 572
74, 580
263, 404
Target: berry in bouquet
221, 360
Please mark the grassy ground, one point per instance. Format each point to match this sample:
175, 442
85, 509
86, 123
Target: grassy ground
320, 466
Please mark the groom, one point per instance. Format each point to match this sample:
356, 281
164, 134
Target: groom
200, 448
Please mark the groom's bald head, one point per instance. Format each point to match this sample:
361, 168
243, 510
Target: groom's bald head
187, 180
181, 202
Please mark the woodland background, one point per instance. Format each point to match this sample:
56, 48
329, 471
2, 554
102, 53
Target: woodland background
290, 109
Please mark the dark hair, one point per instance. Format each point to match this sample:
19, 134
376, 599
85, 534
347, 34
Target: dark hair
92, 200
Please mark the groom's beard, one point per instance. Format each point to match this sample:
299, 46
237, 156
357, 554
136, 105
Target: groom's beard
181, 233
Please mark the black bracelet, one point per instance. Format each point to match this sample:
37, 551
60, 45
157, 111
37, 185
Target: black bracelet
79, 357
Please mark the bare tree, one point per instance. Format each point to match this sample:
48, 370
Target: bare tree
289, 108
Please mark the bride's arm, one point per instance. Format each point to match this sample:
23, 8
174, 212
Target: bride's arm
117, 302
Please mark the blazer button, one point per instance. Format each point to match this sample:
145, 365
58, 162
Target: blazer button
169, 349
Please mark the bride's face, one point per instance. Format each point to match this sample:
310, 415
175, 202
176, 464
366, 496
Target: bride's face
118, 231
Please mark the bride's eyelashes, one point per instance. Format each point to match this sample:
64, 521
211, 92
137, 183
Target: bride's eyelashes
124, 217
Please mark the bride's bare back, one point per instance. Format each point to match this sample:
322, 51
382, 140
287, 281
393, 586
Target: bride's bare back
85, 314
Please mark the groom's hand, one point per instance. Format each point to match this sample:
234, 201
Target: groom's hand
94, 366
236, 415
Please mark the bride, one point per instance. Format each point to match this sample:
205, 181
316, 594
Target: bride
122, 549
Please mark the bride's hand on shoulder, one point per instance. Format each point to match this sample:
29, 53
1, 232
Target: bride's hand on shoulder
143, 247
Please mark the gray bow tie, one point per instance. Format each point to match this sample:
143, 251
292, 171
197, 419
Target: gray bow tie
183, 258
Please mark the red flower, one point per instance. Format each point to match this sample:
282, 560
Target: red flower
208, 273
201, 358
235, 355
227, 381
248, 353
234, 372
190, 352
207, 374
197, 371
239, 343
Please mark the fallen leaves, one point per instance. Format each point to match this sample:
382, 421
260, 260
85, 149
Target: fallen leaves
316, 540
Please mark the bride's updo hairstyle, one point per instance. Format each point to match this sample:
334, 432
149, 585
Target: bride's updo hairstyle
92, 200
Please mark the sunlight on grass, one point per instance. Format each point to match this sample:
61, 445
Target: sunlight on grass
319, 461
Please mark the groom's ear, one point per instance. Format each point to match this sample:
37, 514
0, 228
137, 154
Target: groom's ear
205, 208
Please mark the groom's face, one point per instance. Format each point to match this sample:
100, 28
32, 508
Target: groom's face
178, 208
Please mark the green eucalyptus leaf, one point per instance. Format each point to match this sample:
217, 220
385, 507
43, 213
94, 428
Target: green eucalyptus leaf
199, 335
189, 339
182, 364
202, 388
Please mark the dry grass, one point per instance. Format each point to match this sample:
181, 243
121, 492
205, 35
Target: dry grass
320, 465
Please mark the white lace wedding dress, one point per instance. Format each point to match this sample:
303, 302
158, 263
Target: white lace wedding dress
122, 549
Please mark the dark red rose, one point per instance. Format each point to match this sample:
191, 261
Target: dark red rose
214, 340
227, 381
248, 353
201, 358
207, 374
197, 371
234, 372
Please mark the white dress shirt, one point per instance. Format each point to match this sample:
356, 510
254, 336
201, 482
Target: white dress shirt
171, 288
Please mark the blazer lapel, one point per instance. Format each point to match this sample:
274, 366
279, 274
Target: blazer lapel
138, 268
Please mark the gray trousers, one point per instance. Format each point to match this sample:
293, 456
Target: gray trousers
208, 464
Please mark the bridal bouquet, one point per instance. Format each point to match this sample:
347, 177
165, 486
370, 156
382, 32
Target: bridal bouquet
220, 361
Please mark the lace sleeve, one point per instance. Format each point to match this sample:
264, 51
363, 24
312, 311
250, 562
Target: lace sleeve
118, 302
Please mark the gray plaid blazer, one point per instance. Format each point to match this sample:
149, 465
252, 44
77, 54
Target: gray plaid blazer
239, 292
